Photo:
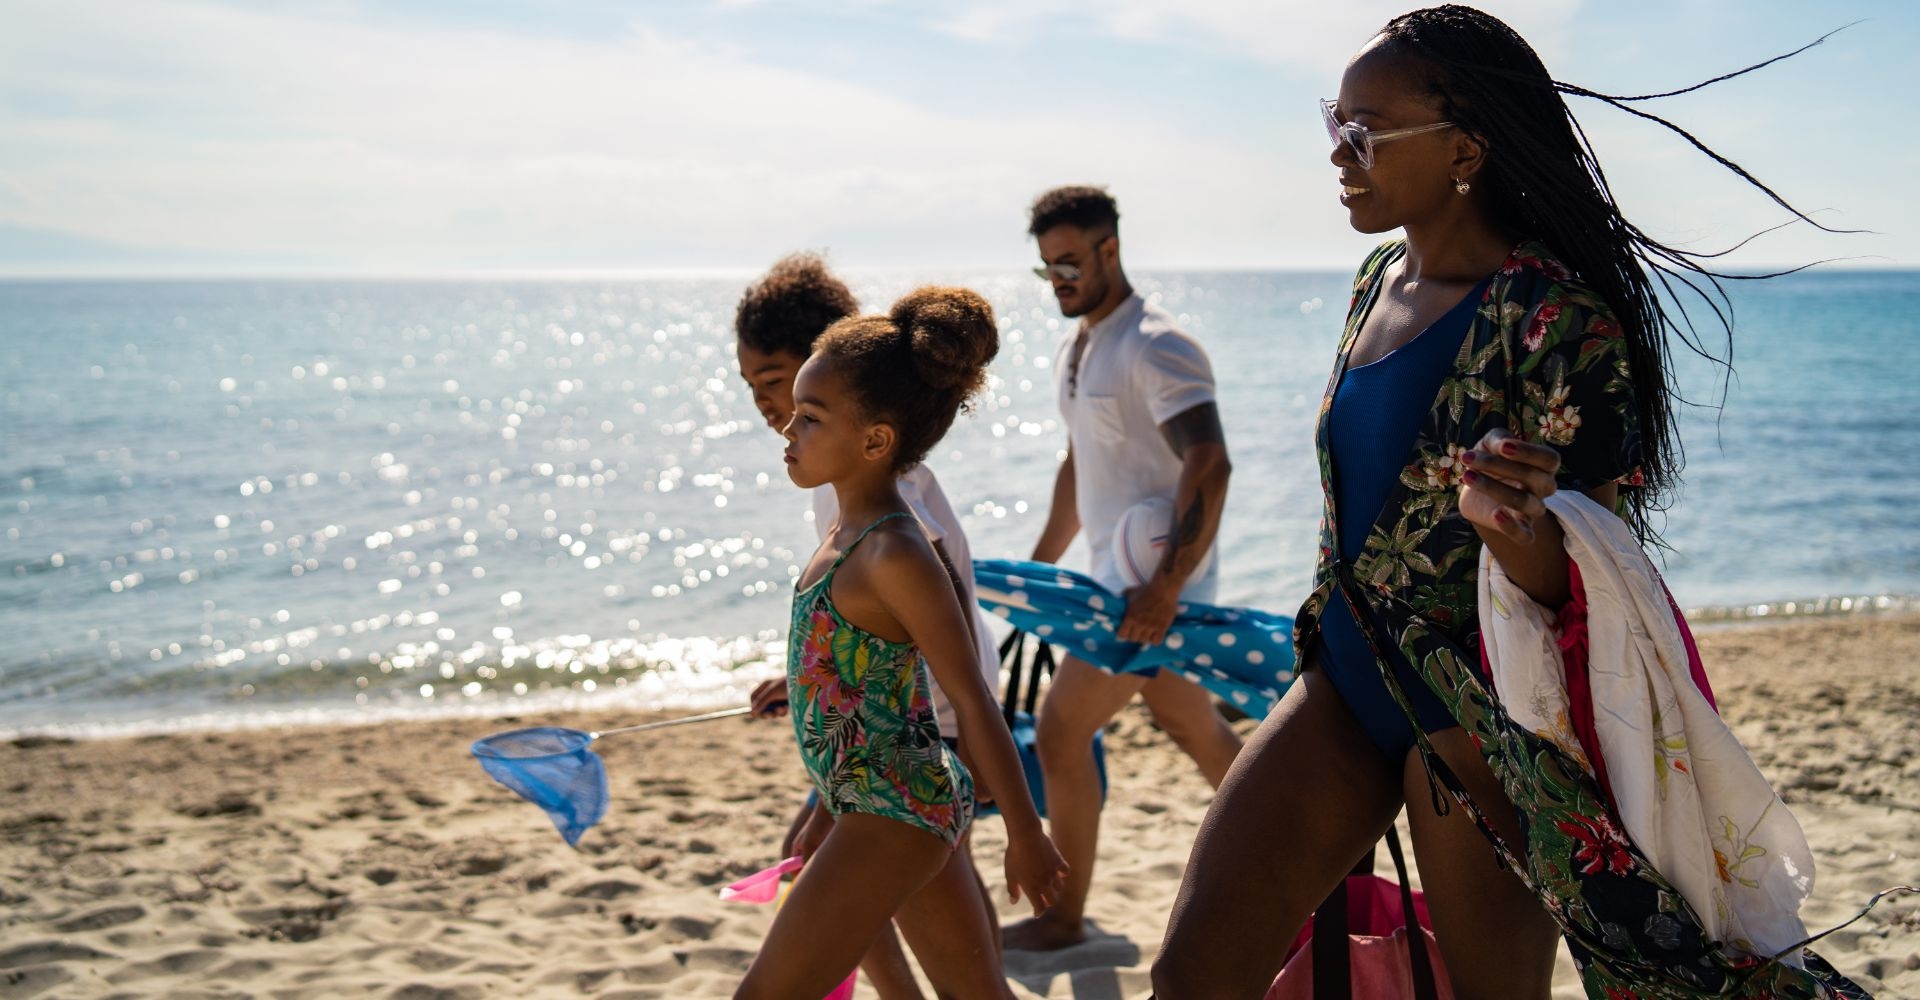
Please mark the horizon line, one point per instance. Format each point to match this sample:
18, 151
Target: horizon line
737, 271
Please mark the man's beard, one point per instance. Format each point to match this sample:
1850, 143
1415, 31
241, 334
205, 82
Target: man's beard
1093, 292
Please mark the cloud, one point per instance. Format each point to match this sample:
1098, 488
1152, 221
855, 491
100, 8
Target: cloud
370, 142
221, 129
1310, 36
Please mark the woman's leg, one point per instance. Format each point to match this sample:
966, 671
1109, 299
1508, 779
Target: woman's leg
1304, 800
843, 899
950, 925
1495, 937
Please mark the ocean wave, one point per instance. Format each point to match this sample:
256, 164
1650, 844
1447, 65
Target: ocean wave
416, 680
1826, 606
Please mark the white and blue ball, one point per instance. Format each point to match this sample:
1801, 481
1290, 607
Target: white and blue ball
1140, 541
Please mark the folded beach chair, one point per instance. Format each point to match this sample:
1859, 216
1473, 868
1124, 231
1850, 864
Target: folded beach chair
1024, 661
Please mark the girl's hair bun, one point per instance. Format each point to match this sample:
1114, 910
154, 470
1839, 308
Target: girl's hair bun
950, 334
917, 366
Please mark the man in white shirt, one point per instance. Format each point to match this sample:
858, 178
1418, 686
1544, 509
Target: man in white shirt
1137, 396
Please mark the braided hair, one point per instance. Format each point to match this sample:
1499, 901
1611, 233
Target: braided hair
1544, 182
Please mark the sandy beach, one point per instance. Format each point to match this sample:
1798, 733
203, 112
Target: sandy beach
381, 861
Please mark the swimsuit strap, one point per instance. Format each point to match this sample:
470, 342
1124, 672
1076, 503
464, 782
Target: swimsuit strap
884, 518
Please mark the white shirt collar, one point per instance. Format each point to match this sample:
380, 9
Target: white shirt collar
1126, 313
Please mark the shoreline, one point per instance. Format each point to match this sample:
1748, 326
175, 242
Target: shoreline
380, 859
694, 690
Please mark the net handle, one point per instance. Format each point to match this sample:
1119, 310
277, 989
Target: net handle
710, 716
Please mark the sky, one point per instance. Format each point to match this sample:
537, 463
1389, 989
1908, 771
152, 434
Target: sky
433, 136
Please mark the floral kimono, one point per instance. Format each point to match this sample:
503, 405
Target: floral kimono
1544, 358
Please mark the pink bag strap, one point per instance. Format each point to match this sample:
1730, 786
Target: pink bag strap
1332, 959
1332, 963
1423, 988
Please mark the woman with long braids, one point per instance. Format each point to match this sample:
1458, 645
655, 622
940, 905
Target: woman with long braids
1511, 345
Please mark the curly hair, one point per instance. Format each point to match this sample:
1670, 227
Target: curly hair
792, 305
1075, 205
1546, 183
918, 366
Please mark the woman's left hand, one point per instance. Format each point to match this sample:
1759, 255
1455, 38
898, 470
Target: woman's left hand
1506, 484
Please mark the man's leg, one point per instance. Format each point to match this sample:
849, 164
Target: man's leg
1079, 703
1186, 711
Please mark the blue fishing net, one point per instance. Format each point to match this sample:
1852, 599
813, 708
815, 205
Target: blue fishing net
553, 768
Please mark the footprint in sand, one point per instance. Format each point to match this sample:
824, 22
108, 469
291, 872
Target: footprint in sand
612, 888
691, 928
293, 923
481, 864
112, 916
657, 966
42, 952
427, 991
242, 970
428, 960
32, 981
227, 804
176, 964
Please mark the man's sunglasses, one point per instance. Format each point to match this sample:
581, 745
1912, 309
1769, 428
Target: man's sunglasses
1068, 273
1362, 139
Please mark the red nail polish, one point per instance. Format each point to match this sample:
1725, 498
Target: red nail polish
1508, 448
1468, 458
1469, 477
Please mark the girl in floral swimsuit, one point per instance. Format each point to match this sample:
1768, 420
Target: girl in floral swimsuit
877, 608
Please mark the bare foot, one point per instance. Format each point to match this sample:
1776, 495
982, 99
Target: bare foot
1042, 933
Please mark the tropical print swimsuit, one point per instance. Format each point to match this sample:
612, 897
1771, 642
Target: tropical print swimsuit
863, 717
1545, 358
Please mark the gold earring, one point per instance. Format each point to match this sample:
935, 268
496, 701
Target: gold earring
1460, 184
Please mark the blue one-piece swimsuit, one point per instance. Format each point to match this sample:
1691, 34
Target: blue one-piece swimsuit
1377, 410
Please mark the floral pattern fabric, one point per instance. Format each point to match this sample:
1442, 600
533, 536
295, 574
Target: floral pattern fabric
1545, 359
863, 717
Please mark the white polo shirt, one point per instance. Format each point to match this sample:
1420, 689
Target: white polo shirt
1138, 371
923, 494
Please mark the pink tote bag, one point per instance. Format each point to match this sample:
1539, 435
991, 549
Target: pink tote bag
1366, 925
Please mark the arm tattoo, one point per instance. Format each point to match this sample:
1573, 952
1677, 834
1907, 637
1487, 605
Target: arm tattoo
1194, 425
1186, 531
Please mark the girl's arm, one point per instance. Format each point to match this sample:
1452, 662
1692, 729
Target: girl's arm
914, 586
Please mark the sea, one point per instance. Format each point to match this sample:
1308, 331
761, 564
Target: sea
249, 502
